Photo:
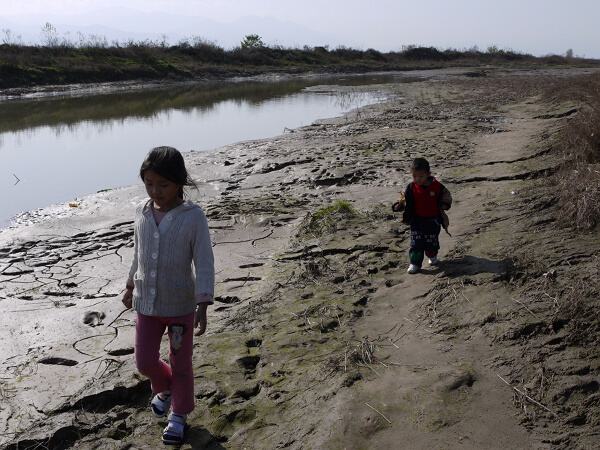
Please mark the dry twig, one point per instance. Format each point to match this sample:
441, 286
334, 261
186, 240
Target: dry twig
535, 402
525, 306
388, 420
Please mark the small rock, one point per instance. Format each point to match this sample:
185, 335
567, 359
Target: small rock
93, 318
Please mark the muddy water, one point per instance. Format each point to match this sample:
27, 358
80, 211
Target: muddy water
58, 148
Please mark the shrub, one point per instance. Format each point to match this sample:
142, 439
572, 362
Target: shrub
374, 55
201, 49
423, 53
347, 53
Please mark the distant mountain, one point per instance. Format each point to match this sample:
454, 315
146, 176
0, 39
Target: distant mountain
126, 24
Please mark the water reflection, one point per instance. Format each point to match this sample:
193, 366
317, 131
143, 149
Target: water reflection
65, 147
17, 115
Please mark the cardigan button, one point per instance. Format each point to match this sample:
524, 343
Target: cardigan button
156, 235
152, 291
153, 273
154, 255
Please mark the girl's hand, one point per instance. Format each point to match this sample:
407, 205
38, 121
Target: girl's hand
127, 297
200, 321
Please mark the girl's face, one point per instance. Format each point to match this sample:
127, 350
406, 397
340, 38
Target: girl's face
163, 192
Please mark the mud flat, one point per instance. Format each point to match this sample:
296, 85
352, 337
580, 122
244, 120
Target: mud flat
318, 337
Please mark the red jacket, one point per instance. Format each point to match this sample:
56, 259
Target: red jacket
426, 199
442, 197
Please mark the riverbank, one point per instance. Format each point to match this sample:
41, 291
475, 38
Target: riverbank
319, 338
23, 66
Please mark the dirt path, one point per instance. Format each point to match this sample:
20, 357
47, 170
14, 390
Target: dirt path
438, 384
319, 338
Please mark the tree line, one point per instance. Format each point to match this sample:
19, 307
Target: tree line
87, 59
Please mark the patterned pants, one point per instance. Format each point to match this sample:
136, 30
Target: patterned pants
424, 239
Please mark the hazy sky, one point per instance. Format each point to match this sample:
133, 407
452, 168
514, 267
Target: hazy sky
538, 27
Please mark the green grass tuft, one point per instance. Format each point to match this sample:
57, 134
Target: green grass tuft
326, 219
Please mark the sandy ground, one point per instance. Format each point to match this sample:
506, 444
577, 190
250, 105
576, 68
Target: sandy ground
318, 337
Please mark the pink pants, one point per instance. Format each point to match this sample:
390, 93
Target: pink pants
178, 374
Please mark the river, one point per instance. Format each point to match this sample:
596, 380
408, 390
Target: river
57, 148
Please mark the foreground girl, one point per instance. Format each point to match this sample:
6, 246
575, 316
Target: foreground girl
169, 235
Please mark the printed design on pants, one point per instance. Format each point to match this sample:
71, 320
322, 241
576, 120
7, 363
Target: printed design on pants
431, 239
415, 256
424, 239
177, 331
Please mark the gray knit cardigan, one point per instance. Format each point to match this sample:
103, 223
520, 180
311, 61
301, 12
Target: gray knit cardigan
165, 282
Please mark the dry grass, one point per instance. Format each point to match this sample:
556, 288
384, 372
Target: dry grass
356, 354
579, 148
578, 305
578, 203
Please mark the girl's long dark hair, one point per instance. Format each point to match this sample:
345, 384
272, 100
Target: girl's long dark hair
168, 163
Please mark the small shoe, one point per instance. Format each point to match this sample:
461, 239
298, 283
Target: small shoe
413, 268
161, 405
433, 261
173, 433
